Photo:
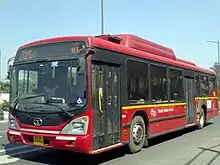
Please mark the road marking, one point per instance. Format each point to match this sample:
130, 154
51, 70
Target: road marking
9, 158
3, 131
27, 151
1, 136
13, 148
3, 121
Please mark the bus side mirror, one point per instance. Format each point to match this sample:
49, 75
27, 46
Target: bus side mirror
9, 72
81, 66
9, 68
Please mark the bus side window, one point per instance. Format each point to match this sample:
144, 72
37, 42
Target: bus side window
176, 85
212, 85
137, 82
204, 84
159, 90
197, 85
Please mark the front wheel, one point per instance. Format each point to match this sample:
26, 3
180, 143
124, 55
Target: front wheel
137, 134
201, 119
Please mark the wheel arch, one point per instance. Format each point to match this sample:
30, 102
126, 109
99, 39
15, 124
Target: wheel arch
144, 115
204, 107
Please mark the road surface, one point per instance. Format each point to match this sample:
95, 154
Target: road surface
188, 147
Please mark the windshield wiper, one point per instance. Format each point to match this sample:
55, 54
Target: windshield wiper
62, 109
47, 103
28, 97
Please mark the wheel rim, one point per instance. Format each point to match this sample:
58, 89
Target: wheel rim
138, 133
202, 118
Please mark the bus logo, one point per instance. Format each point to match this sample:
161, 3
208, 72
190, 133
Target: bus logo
153, 112
37, 121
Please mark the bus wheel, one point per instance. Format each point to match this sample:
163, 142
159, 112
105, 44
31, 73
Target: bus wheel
137, 134
201, 119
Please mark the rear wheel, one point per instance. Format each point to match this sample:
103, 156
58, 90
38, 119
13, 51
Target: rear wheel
201, 119
137, 135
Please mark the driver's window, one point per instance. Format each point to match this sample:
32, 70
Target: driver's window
72, 75
33, 82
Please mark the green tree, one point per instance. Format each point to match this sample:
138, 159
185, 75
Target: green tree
4, 86
215, 67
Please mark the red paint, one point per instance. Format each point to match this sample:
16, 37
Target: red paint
162, 126
81, 144
55, 40
153, 55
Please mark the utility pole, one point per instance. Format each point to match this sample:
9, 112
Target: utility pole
216, 42
218, 53
0, 65
102, 17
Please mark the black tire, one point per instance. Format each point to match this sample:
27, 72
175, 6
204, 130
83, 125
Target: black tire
137, 124
202, 119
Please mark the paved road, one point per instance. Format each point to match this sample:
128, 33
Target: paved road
188, 147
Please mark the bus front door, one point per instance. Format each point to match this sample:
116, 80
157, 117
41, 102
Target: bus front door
106, 105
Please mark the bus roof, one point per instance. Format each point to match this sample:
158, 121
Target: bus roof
131, 45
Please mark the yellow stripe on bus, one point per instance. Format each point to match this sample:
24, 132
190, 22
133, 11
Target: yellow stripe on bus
150, 105
163, 105
205, 98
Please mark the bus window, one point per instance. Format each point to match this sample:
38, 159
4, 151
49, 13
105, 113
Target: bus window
197, 85
138, 84
22, 80
28, 81
33, 82
159, 90
212, 85
204, 84
176, 85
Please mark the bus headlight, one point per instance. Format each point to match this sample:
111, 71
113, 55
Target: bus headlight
12, 123
78, 126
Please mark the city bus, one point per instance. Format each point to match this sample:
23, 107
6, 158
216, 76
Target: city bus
90, 94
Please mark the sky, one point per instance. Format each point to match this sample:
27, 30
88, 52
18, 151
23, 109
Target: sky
184, 26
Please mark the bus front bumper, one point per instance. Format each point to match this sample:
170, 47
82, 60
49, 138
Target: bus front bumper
74, 143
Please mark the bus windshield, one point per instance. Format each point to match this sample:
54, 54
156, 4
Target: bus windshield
52, 82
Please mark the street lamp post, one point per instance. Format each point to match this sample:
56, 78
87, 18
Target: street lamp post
216, 42
0, 70
0, 65
102, 17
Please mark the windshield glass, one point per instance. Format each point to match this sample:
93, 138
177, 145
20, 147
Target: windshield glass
56, 82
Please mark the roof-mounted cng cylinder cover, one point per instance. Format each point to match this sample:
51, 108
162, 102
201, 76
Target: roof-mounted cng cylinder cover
135, 42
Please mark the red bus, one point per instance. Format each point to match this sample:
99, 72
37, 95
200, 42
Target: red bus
92, 94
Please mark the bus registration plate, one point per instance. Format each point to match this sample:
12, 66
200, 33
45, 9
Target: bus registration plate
38, 140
